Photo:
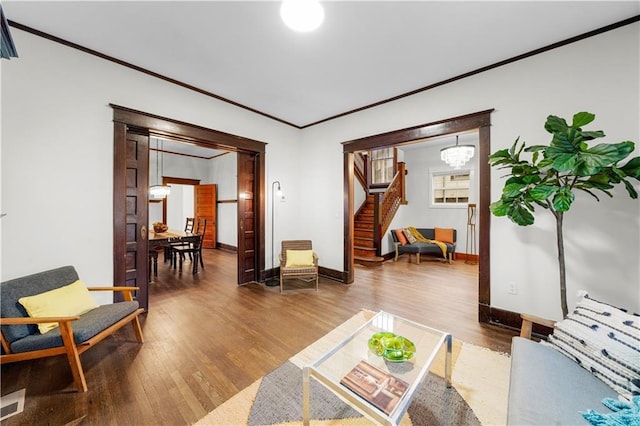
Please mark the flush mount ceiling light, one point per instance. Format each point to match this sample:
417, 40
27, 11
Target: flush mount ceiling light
302, 15
457, 156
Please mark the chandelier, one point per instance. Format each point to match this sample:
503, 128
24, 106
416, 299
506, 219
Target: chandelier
158, 191
458, 155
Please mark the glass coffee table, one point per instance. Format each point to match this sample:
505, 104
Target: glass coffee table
380, 387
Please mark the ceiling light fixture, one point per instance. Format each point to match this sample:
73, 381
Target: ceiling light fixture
158, 191
457, 156
302, 15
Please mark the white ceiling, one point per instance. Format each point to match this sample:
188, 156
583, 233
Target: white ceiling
365, 52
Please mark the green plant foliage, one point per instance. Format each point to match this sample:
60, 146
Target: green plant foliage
554, 173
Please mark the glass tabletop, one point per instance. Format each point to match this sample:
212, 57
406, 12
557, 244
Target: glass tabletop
381, 388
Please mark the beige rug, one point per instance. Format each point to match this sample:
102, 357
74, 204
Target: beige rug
480, 376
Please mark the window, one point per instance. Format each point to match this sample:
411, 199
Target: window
450, 187
382, 166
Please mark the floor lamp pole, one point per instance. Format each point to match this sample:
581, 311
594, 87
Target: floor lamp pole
273, 281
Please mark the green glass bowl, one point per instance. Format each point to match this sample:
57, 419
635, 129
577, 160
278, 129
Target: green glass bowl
391, 347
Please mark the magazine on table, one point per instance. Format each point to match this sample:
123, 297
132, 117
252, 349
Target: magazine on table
380, 388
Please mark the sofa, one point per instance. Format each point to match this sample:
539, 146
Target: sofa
419, 248
589, 357
57, 290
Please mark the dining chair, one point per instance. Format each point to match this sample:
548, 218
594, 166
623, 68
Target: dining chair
193, 248
188, 228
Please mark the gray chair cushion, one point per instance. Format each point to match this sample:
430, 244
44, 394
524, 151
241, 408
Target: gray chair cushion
12, 290
547, 388
85, 328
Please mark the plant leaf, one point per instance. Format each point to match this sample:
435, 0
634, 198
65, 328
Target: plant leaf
542, 192
499, 208
520, 215
555, 124
632, 168
563, 199
581, 119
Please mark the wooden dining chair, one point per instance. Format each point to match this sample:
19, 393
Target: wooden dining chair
188, 228
193, 248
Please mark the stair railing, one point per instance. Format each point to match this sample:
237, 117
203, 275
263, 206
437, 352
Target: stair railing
360, 170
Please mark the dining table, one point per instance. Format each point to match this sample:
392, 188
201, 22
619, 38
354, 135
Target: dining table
162, 240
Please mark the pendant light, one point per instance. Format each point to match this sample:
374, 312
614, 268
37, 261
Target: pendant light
457, 156
159, 191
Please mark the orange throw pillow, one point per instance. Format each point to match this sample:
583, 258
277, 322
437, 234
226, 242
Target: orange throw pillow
401, 237
444, 234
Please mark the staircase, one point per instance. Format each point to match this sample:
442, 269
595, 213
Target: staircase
364, 245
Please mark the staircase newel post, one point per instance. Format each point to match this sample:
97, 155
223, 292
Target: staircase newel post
402, 171
376, 222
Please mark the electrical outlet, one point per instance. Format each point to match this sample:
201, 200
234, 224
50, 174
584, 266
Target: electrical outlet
513, 287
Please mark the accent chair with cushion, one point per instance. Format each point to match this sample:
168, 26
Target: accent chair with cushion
52, 313
298, 260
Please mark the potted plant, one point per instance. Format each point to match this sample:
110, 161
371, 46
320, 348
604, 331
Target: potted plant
551, 176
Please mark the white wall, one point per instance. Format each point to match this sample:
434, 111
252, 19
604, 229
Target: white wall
600, 75
57, 129
57, 145
224, 173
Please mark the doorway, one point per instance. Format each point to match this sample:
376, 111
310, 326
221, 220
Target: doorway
132, 130
480, 122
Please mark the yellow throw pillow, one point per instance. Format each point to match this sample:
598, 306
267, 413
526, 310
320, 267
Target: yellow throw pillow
70, 300
299, 258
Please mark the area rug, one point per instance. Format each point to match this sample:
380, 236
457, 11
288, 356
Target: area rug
478, 396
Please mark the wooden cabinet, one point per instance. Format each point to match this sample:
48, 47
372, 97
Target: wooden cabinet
205, 200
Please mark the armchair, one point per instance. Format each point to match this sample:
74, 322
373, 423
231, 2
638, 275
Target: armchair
297, 260
74, 334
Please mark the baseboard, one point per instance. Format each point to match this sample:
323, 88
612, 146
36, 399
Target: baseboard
467, 257
508, 319
224, 246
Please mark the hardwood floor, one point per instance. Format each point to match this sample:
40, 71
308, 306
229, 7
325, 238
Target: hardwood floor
207, 338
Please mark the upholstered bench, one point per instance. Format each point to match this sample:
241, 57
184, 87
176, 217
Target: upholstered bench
72, 334
419, 248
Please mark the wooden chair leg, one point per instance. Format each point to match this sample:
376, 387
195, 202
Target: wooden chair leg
73, 356
137, 330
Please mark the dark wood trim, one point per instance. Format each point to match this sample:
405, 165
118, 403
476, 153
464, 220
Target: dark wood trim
167, 181
485, 68
142, 70
227, 201
168, 127
423, 131
348, 217
119, 205
480, 121
534, 52
466, 257
164, 151
127, 118
484, 217
513, 321
332, 274
224, 246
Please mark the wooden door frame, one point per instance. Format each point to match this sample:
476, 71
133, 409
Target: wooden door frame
480, 121
167, 181
198, 135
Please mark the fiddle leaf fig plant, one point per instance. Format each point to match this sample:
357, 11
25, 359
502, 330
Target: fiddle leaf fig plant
551, 175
